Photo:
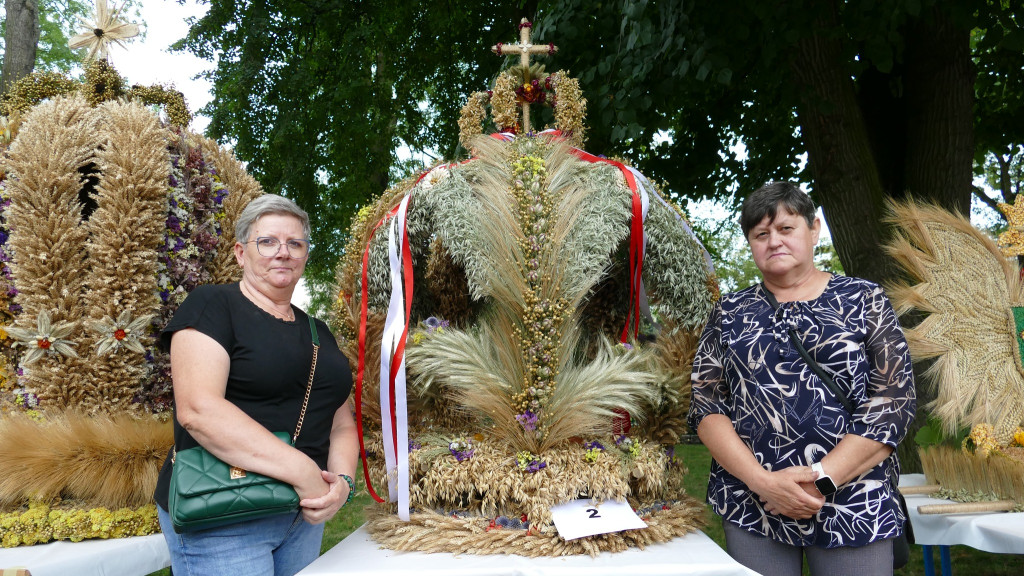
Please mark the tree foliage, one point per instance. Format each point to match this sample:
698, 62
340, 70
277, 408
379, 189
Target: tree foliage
999, 155
318, 96
714, 98
879, 96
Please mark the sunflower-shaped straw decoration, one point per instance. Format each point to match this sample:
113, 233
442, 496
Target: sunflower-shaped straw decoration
123, 332
47, 337
106, 28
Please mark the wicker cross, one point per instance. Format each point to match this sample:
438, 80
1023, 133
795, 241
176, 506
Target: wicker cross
524, 49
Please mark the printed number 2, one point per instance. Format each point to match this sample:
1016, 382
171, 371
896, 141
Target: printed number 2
593, 513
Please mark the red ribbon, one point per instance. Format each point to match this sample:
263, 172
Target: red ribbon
361, 365
636, 241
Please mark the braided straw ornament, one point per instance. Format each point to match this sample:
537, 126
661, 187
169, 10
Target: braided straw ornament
57, 140
966, 288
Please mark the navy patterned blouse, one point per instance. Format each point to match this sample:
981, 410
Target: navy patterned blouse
747, 369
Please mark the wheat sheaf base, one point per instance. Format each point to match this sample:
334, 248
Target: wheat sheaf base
429, 531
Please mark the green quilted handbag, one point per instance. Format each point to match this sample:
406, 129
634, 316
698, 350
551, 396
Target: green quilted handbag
206, 492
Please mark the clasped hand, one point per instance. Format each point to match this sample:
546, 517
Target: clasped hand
790, 492
317, 510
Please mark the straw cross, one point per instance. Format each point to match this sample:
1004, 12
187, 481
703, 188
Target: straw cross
524, 48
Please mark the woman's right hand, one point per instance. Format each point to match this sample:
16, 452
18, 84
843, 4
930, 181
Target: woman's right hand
789, 492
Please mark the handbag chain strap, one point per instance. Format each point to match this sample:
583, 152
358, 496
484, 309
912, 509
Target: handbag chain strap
811, 362
312, 370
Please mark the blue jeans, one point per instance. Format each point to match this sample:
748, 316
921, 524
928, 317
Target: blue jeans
279, 545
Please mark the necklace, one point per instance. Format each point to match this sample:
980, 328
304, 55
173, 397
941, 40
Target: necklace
268, 307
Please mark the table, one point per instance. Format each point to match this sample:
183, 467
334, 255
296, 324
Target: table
136, 556
693, 554
997, 532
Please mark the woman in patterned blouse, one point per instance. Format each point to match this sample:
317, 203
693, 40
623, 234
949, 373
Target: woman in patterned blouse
794, 472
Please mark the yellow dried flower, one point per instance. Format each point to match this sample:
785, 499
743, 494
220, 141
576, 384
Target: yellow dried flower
982, 437
1018, 436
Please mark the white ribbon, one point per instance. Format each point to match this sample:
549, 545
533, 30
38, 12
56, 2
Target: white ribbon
397, 463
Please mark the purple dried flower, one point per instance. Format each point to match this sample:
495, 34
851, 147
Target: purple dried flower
528, 420
461, 449
536, 466
595, 445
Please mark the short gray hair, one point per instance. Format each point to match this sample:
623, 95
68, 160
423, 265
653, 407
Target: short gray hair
264, 205
765, 202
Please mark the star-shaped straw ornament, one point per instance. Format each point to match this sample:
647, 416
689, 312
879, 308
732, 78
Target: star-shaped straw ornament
121, 333
107, 28
47, 337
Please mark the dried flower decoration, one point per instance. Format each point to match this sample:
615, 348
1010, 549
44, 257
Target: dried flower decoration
105, 29
981, 440
47, 337
121, 333
435, 324
528, 462
594, 450
628, 445
461, 448
528, 420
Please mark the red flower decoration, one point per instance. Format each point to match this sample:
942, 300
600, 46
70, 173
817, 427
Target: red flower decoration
119, 334
526, 24
44, 343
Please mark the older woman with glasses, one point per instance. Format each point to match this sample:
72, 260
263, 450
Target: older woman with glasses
240, 363
802, 467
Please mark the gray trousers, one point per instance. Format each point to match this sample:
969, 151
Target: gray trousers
771, 558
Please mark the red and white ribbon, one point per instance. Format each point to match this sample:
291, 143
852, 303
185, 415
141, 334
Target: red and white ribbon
393, 404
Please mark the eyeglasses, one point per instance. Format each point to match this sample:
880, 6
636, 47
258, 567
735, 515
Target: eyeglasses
268, 247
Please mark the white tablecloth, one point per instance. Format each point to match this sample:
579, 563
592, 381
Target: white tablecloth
136, 556
359, 555
999, 532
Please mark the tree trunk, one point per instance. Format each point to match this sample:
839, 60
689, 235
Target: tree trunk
846, 179
939, 88
21, 40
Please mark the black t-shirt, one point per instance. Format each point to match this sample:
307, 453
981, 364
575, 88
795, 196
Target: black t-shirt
270, 361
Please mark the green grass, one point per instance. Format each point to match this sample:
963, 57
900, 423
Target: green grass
966, 560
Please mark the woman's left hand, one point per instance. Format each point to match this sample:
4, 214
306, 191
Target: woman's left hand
322, 509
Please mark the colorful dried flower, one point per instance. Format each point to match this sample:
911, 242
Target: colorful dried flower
981, 440
461, 448
527, 462
528, 420
1018, 436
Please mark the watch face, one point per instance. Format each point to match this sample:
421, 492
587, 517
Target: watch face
825, 486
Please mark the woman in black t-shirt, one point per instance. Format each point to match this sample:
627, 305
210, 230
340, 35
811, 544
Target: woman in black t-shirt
240, 361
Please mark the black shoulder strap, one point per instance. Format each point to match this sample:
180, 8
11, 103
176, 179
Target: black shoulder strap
811, 362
